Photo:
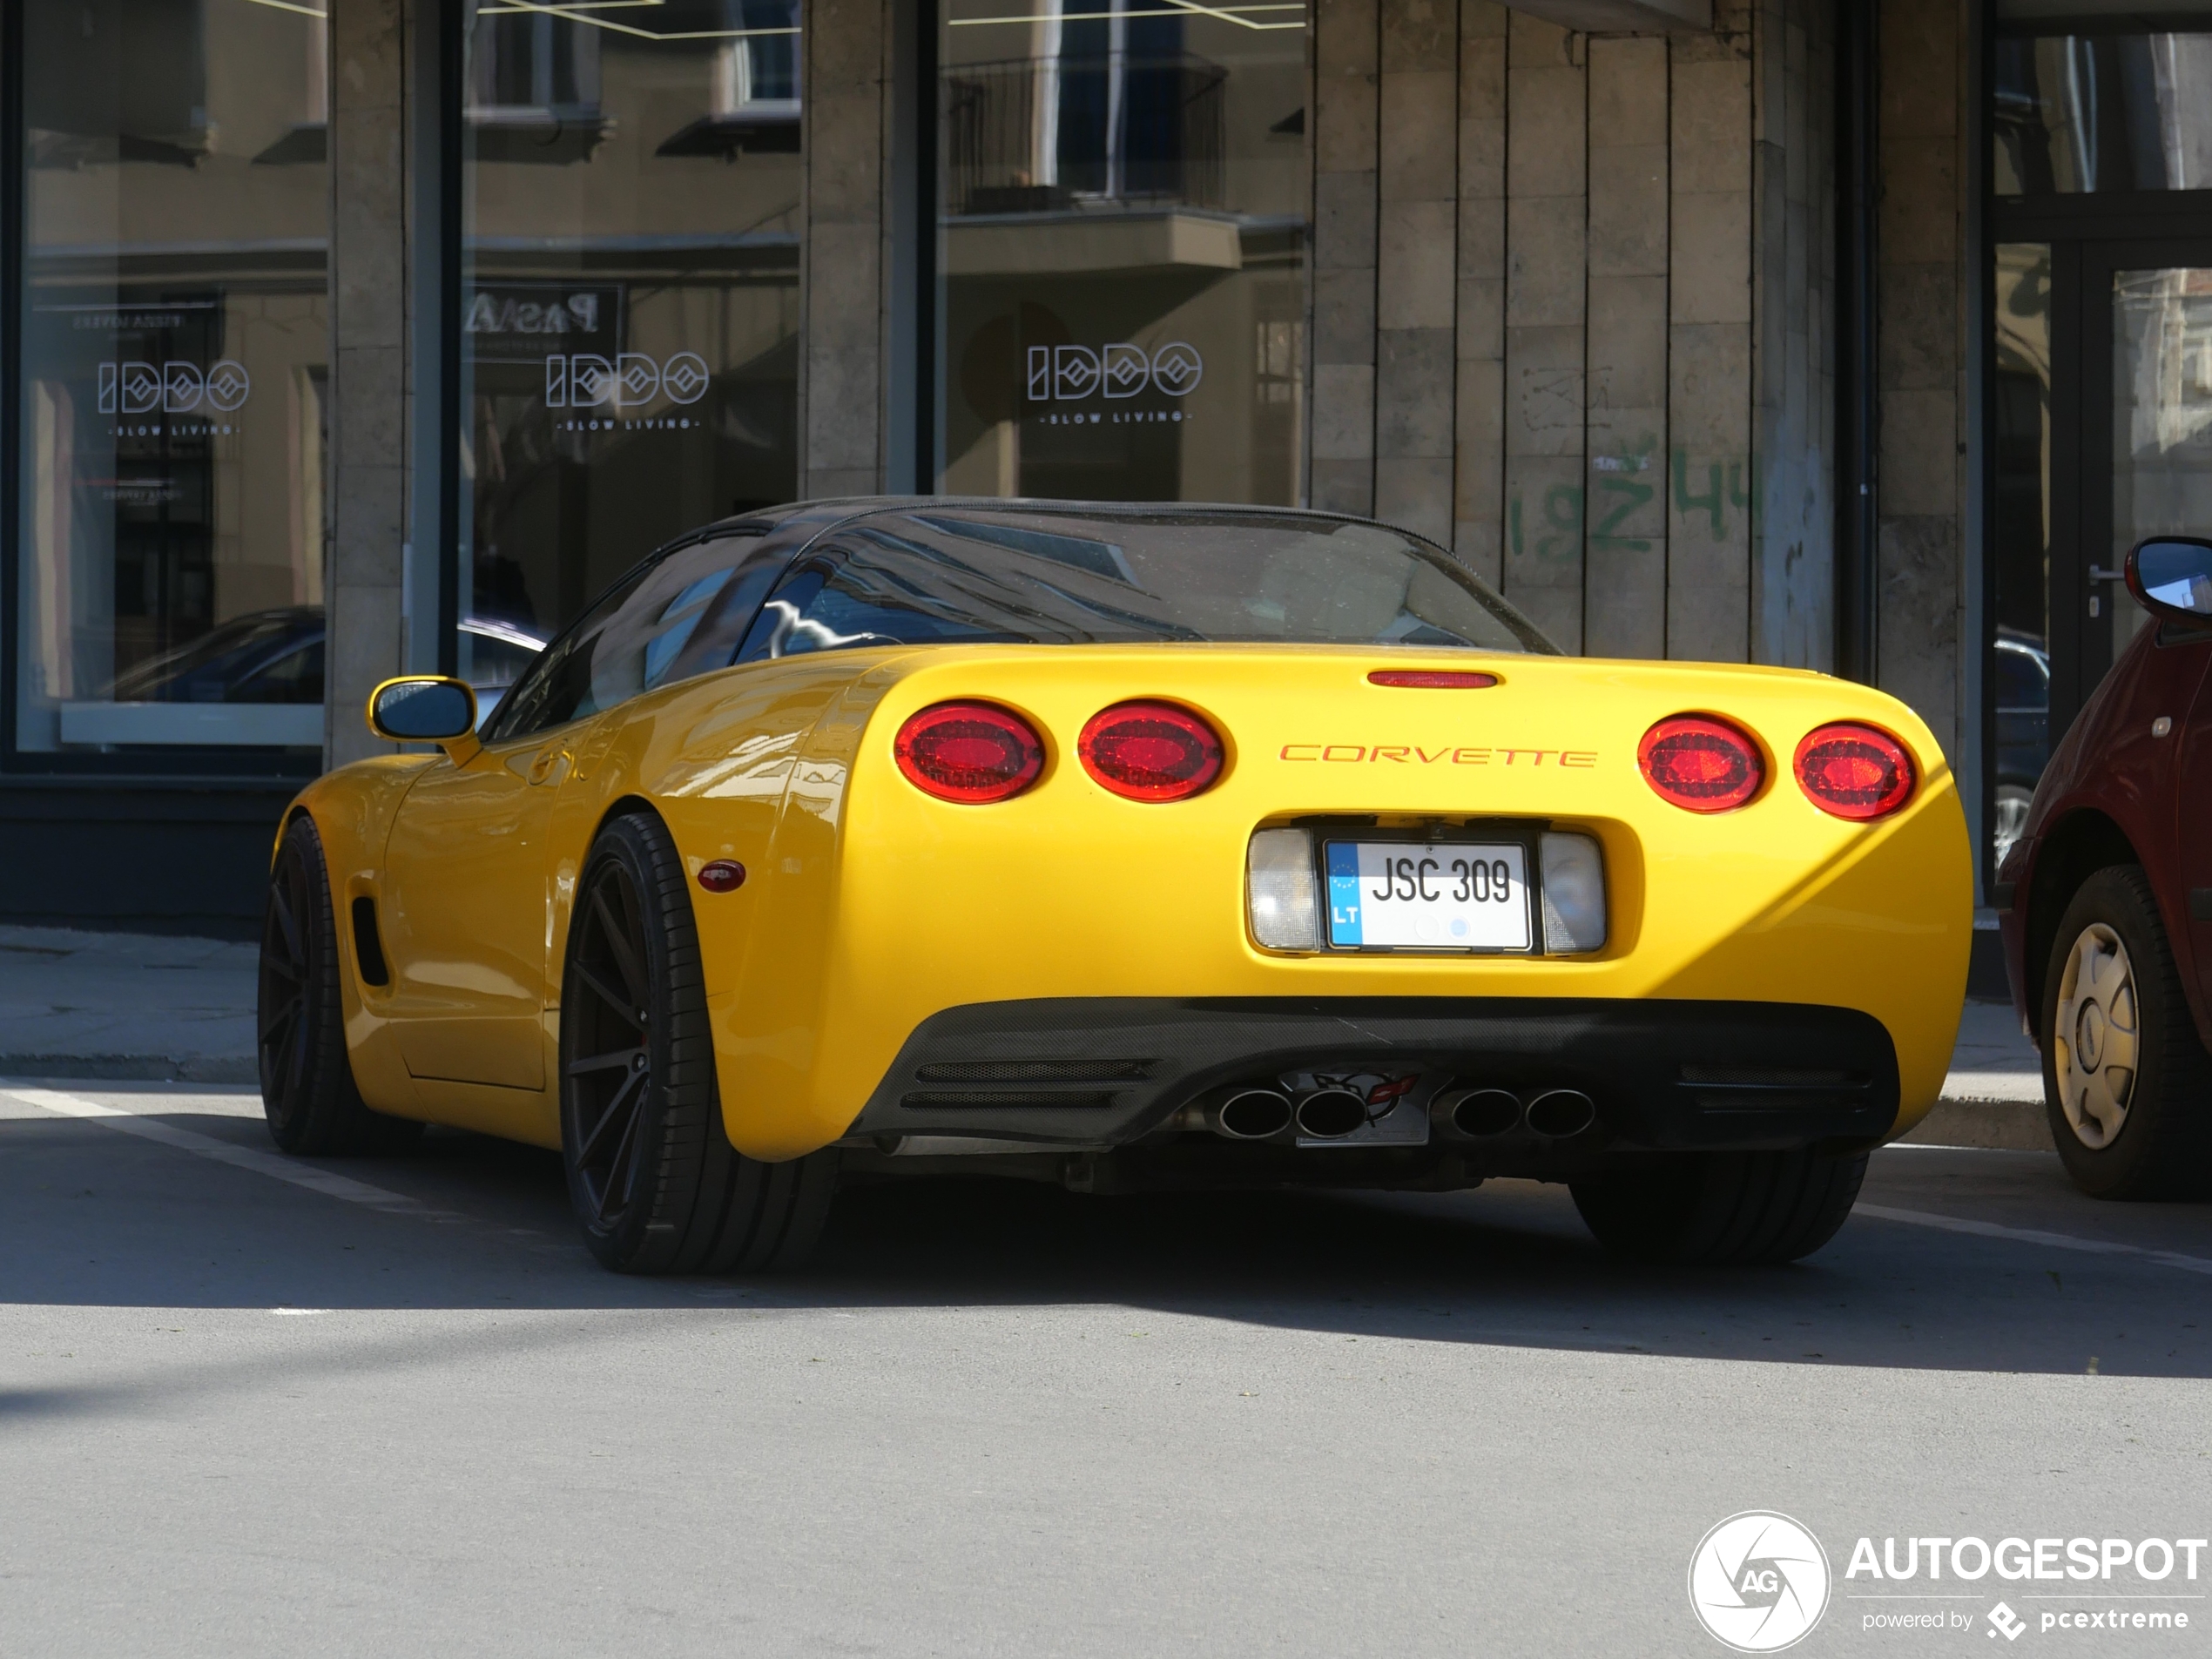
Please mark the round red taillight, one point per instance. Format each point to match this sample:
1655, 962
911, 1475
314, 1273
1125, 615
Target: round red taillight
1151, 751
1701, 764
722, 875
1433, 679
1855, 772
970, 752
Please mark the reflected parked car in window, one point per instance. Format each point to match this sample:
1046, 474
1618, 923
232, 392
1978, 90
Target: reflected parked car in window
2023, 672
277, 657
2106, 901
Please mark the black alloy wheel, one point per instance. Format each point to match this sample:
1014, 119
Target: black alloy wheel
655, 1182
1721, 1208
2127, 1083
307, 1088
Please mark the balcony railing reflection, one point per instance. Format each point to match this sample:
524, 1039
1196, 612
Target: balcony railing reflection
1039, 135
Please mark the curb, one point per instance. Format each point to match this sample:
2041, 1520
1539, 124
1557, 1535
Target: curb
132, 1067
2006, 1125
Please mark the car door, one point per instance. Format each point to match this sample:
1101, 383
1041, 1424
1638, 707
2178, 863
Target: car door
471, 863
2193, 825
463, 916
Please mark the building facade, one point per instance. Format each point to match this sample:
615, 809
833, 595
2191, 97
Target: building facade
344, 338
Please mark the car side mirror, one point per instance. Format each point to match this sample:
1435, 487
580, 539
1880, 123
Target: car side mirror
2171, 576
426, 708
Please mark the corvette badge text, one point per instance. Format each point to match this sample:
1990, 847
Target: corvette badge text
1409, 754
1760, 1582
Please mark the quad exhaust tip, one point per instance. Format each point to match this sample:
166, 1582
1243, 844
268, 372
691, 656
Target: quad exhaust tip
1480, 1114
1558, 1113
1251, 1115
1330, 1114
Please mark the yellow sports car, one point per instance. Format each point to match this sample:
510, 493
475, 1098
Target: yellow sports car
1125, 847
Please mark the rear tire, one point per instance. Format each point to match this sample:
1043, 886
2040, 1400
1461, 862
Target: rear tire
655, 1182
1721, 1208
308, 1089
2127, 1083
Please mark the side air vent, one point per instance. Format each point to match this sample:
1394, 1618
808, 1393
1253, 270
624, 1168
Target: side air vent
1035, 1071
368, 945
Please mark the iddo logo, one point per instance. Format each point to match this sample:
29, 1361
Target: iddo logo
587, 380
1063, 374
175, 388
1759, 1581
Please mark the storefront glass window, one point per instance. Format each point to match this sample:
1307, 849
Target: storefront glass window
1121, 188
2076, 113
174, 344
630, 294
2020, 535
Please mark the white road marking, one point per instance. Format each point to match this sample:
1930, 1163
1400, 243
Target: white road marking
2034, 1236
272, 1165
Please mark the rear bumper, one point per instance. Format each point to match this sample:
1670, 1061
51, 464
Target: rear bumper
1664, 1074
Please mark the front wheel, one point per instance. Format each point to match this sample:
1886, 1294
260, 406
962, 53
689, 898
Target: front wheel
1721, 1208
655, 1182
2128, 1085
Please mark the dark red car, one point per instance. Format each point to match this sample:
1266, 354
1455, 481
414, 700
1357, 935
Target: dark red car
2106, 902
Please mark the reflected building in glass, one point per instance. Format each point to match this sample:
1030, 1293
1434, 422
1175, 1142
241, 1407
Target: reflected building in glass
630, 289
175, 342
1121, 250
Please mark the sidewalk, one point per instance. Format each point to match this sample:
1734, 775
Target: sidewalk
125, 1005
181, 1010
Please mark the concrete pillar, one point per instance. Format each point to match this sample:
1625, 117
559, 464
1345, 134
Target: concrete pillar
1417, 189
1347, 60
1793, 503
841, 307
1546, 217
1708, 401
1921, 360
369, 301
1625, 580
1478, 513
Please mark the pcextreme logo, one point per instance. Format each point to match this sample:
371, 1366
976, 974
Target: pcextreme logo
1759, 1581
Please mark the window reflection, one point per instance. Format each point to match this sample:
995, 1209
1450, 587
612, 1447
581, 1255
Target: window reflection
1123, 250
174, 350
2161, 418
630, 288
2020, 534
2077, 113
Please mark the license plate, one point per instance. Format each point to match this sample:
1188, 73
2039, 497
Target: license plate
1409, 895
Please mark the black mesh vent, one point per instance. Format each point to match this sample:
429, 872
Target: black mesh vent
952, 1099
1035, 1071
1771, 1077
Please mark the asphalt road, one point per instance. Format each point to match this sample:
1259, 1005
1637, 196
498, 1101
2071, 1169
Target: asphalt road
398, 1410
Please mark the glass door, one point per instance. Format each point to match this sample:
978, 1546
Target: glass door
2100, 420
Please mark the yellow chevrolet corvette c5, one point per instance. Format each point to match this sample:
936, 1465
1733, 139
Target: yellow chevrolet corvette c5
1128, 848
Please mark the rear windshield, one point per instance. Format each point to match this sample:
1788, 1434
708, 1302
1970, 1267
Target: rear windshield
1055, 578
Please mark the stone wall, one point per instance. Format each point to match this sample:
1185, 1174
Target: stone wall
1571, 312
1921, 365
371, 43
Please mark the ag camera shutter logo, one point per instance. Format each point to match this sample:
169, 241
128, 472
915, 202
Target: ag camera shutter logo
1064, 374
1759, 1581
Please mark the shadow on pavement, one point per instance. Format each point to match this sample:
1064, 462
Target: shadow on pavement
89, 1217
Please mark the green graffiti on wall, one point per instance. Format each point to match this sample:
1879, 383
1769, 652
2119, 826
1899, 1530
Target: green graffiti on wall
1714, 501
